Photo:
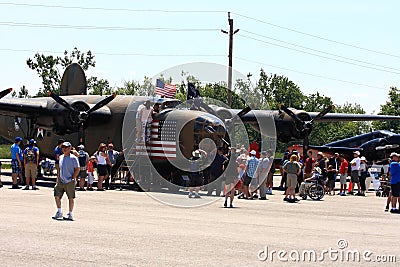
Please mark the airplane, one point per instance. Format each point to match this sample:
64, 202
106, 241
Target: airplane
175, 132
375, 145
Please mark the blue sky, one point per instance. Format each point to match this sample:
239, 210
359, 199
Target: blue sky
354, 28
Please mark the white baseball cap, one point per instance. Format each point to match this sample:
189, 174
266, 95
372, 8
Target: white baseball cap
253, 152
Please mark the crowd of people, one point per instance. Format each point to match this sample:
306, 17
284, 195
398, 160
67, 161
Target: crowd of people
245, 172
235, 172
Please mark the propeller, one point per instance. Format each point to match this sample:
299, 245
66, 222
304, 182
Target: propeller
82, 115
5, 92
305, 127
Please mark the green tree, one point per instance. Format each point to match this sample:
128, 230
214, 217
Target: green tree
49, 68
99, 86
276, 89
391, 107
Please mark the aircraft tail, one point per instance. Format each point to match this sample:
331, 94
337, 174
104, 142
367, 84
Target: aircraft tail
73, 81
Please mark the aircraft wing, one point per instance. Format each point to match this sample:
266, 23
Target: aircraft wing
333, 117
338, 149
32, 107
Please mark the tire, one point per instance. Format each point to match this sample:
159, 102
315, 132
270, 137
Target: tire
316, 192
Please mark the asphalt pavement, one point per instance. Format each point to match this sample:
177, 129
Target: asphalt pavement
129, 228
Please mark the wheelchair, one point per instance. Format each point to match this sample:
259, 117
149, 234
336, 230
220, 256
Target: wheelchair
314, 189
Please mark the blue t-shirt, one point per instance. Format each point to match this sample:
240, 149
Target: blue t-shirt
15, 149
34, 149
252, 164
394, 172
57, 151
67, 167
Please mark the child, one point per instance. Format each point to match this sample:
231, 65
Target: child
90, 170
331, 179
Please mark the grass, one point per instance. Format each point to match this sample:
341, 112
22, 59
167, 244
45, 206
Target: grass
5, 152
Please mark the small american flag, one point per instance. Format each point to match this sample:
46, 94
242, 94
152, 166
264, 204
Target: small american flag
165, 89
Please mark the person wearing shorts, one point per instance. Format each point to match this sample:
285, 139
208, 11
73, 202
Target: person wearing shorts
69, 170
293, 169
395, 180
355, 167
344, 166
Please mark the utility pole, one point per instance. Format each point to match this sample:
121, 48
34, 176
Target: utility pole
231, 33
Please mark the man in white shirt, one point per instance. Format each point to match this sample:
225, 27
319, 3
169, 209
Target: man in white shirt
143, 118
355, 167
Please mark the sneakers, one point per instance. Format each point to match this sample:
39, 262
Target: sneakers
394, 211
15, 186
58, 216
225, 204
34, 187
190, 195
262, 198
269, 191
196, 195
89, 189
69, 217
26, 187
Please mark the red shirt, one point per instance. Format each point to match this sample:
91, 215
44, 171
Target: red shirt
90, 166
309, 164
343, 166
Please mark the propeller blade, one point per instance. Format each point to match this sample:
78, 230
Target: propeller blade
306, 146
290, 113
62, 102
323, 113
102, 103
5, 92
244, 111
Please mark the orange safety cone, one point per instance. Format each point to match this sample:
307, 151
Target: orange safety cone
350, 187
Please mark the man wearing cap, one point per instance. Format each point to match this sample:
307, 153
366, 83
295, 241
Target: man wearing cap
344, 166
143, 118
251, 167
113, 168
355, 167
83, 162
57, 153
69, 170
262, 172
16, 162
395, 180
31, 160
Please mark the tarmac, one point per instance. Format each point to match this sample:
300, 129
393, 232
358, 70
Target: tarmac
129, 228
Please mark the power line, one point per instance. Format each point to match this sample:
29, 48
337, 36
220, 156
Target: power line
316, 36
117, 54
311, 74
90, 27
319, 51
309, 53
113, 9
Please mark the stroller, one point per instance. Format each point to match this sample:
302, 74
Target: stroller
48, 166
384, 187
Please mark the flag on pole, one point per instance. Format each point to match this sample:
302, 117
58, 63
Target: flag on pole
193, 92
165, 89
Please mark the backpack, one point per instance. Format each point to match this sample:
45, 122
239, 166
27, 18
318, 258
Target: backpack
30, 155
82, 158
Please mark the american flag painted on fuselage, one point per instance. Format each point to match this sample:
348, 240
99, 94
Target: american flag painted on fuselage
163, 139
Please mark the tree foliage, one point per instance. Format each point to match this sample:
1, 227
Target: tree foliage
50, 68
391, 107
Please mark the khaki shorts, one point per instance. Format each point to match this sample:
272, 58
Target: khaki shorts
69, 188
291, 180
31, 170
